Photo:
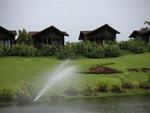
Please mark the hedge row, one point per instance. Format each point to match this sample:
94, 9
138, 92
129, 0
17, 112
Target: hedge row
27, 50
88, 49
75, 50
135, 46
70, 50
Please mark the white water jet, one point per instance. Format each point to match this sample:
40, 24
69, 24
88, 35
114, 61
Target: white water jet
63, 71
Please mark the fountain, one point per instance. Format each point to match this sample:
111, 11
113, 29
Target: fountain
63, 71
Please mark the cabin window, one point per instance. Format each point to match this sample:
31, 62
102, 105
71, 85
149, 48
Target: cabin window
7, 43
2, 43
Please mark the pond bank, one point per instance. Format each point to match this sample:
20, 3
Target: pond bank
100, 96
122, 104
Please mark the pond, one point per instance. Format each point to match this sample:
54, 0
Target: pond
124, 104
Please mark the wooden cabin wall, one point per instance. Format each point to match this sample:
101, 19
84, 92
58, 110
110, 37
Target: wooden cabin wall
146, 38
50, 37
6, 39
101, 36
5, 35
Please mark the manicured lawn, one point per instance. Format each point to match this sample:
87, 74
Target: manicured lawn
13, 70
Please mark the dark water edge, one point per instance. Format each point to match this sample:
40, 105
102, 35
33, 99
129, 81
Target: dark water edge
123, 104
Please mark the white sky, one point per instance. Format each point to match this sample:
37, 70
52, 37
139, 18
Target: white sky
75, 15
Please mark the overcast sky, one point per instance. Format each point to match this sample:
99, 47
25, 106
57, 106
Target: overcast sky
75, 15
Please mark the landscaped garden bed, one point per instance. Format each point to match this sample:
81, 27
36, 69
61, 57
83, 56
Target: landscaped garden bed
143, 69
100, 69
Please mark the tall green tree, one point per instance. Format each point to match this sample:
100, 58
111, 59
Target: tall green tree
24, 37
147, 22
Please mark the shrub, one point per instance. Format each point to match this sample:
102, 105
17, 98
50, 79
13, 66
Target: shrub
6, 95
98, 52
111, 50
124, 45
102, 87
48, 50
25, 93
92, 50
22, 50
117, 89
2, 50
148, 47
133, 45
99, 69
87, 91
137, 49
67, 52
145, 84
88, 49
126, 83
71, 91
79, 48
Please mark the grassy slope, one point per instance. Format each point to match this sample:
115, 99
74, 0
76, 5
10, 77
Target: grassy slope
120, 63
15, 69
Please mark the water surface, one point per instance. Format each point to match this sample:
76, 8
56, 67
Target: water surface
130, 104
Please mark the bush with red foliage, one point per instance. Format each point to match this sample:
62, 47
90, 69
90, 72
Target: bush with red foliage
133, 69
145, 69
101, 70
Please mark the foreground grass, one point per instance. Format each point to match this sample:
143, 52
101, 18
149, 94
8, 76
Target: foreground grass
13, 70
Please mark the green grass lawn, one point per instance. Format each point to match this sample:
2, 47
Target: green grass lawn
13, 70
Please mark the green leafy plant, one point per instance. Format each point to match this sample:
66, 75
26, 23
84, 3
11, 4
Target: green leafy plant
48, 50
125, 83
67, 52
2, 52
145, 84
101, 87
124, 45
22, 50
111, 50
133, 45
6, 95
24, 93
24, 37
148, 47
117, 89
88, 91
92, 50
71, 91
